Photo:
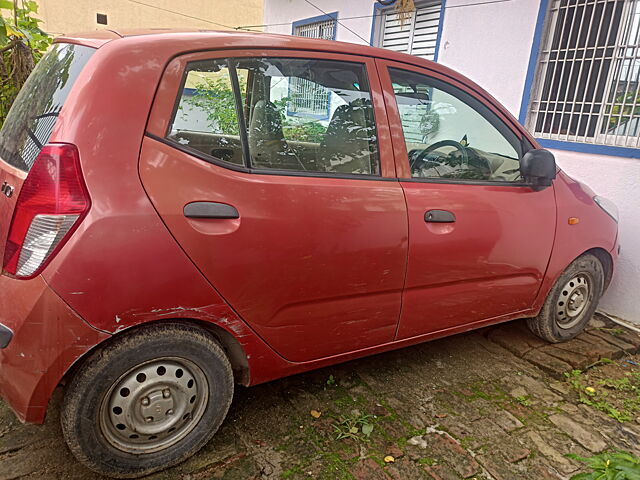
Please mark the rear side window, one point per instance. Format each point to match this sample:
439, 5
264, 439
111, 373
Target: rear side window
36, 108
287, 114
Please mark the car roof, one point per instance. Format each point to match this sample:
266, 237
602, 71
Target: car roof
191, 40
239, 38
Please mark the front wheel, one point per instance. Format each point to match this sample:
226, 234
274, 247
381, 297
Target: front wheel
147, 401
571, 302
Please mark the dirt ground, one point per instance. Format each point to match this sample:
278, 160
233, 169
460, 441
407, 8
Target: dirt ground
490, 404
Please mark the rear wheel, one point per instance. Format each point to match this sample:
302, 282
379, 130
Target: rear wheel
147, 401
571, 302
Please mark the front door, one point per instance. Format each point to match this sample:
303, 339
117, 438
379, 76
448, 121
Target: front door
480, 238
270, 171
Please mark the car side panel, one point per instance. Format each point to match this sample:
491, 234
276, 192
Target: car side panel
326, 255
122, 267
594, 230
485, 264
48, 337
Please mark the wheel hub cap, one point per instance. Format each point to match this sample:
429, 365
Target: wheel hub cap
573, 301
154, 405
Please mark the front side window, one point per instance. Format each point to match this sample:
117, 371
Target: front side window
449, 135
261, 95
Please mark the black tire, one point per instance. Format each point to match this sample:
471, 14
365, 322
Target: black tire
553, 323
83, 411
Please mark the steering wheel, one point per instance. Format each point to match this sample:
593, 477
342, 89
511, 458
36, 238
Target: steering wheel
415, 163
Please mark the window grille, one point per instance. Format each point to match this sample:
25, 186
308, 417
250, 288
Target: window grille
307, 98
325, 30
587, 83
419, 34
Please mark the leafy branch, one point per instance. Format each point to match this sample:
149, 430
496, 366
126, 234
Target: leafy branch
22, 44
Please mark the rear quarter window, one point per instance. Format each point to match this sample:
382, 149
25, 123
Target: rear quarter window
34, 113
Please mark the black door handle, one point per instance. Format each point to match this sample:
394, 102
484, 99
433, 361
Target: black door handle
210, 210
439, 216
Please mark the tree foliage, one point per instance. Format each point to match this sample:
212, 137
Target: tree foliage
22, 44
215, 97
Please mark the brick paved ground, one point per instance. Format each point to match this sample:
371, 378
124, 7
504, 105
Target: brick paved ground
492, 404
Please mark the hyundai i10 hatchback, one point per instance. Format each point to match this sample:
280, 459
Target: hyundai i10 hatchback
181, 212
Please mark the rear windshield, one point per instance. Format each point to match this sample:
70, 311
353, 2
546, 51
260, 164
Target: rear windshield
33, 114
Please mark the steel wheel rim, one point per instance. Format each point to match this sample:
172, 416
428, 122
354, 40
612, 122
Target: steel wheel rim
573, 301
154, 405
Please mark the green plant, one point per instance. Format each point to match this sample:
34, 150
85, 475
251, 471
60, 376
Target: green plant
331, 381
356, 427
215, 96
304, 132
603, 361
617, 465
22, 44
523, 400
613, 331
599, 398
297, 130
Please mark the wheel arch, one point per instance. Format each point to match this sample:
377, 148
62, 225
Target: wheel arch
235, 352
557, 267
607, 263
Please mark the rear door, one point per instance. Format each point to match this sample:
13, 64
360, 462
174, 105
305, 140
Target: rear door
274, 172
481, 237
31, 119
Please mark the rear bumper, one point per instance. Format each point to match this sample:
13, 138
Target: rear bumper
47, 337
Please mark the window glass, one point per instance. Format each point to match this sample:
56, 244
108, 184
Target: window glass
33, 114
309, 115
206, 119
448, 138
304, 115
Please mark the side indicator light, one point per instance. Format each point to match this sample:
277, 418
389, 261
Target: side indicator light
574, 220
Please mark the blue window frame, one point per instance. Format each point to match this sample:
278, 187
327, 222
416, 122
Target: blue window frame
580, 93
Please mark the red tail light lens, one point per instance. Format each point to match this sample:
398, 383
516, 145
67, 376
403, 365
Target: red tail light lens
53, 200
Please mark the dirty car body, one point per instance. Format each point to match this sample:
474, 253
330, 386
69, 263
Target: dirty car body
288, 267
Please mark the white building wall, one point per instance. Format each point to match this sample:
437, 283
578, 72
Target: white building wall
287, 11
490, 42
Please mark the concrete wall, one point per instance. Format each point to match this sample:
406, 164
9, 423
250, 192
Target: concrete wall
287, 11
68, 16
490, 41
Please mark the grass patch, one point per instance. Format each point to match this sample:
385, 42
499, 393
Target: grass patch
609, 388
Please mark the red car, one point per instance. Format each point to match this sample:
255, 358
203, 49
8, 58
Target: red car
183, 211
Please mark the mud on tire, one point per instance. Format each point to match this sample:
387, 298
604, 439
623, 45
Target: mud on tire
571, 302
147, 401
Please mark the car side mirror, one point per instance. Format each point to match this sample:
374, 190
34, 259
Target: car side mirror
538, 167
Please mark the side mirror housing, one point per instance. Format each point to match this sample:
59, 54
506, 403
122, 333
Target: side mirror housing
538, 167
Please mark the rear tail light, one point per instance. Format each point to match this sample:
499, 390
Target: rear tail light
53, 200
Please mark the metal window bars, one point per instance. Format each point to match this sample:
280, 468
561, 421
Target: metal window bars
325, 29
308, 98
587, 86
